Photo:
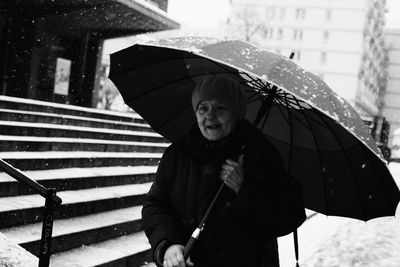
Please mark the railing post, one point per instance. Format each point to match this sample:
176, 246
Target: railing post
47, 229
52, 201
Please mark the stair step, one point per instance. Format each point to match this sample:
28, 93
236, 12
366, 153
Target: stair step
101, 164
53, 130
12, 255
128, 250
35, 143
78, 178
75, 232
61, 119
16, 103
19, 210
60, 160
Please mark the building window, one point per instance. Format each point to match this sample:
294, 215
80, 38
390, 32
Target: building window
280, 34
323, 58
326, 36
271, 12
300, 13
328, 15
267, 32
282, 12
298, 34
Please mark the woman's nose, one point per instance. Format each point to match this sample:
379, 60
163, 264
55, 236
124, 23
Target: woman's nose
210, 113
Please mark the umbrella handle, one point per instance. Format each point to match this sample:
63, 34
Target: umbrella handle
192, 241
196, 233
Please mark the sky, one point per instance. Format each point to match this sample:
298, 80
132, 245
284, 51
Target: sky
393, 15
207, 13
199, 14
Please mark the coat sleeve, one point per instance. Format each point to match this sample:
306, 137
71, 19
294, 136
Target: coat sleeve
269, 198
159, 222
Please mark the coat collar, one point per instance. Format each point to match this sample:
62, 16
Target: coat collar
228, 147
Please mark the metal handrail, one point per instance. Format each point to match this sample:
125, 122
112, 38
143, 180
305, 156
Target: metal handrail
52, 201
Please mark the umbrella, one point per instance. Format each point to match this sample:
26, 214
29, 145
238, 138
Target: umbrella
322, 140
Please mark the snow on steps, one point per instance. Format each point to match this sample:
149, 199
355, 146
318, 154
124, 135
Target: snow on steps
73, 197
77, 231
37, 143
17, 210
68, 159
14, 255
127, 250
16, 103
109, 160
78, 178
35, 116
48, 129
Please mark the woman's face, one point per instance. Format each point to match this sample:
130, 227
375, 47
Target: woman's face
215, 119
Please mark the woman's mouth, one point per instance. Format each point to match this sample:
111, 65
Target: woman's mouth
212, 127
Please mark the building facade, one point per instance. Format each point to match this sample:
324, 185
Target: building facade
50, 50
339, 40
391, 108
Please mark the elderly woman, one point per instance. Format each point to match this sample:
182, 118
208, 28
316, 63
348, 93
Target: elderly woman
261, 200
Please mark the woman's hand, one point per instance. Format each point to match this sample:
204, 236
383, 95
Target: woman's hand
232, 174
173, 257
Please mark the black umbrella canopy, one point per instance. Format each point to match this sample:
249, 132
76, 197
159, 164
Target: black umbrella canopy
322, 139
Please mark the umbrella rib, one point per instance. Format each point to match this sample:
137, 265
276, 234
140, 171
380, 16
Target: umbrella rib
253, 83
266, 116
310, 118
258, 82
291, 138
291, 101
348, 164
320, 160
296, 117
280, 109
304, 115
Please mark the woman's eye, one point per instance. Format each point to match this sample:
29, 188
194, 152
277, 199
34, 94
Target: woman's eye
201, 109
221, 108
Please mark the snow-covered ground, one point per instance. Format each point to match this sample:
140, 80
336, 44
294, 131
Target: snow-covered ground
334, 241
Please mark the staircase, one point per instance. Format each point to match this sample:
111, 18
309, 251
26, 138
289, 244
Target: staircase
101, 164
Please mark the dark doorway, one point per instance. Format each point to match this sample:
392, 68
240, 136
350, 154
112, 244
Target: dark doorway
3, 52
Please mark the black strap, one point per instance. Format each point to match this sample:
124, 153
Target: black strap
296, 247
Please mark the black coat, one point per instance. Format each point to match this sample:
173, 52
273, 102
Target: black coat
242, 228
